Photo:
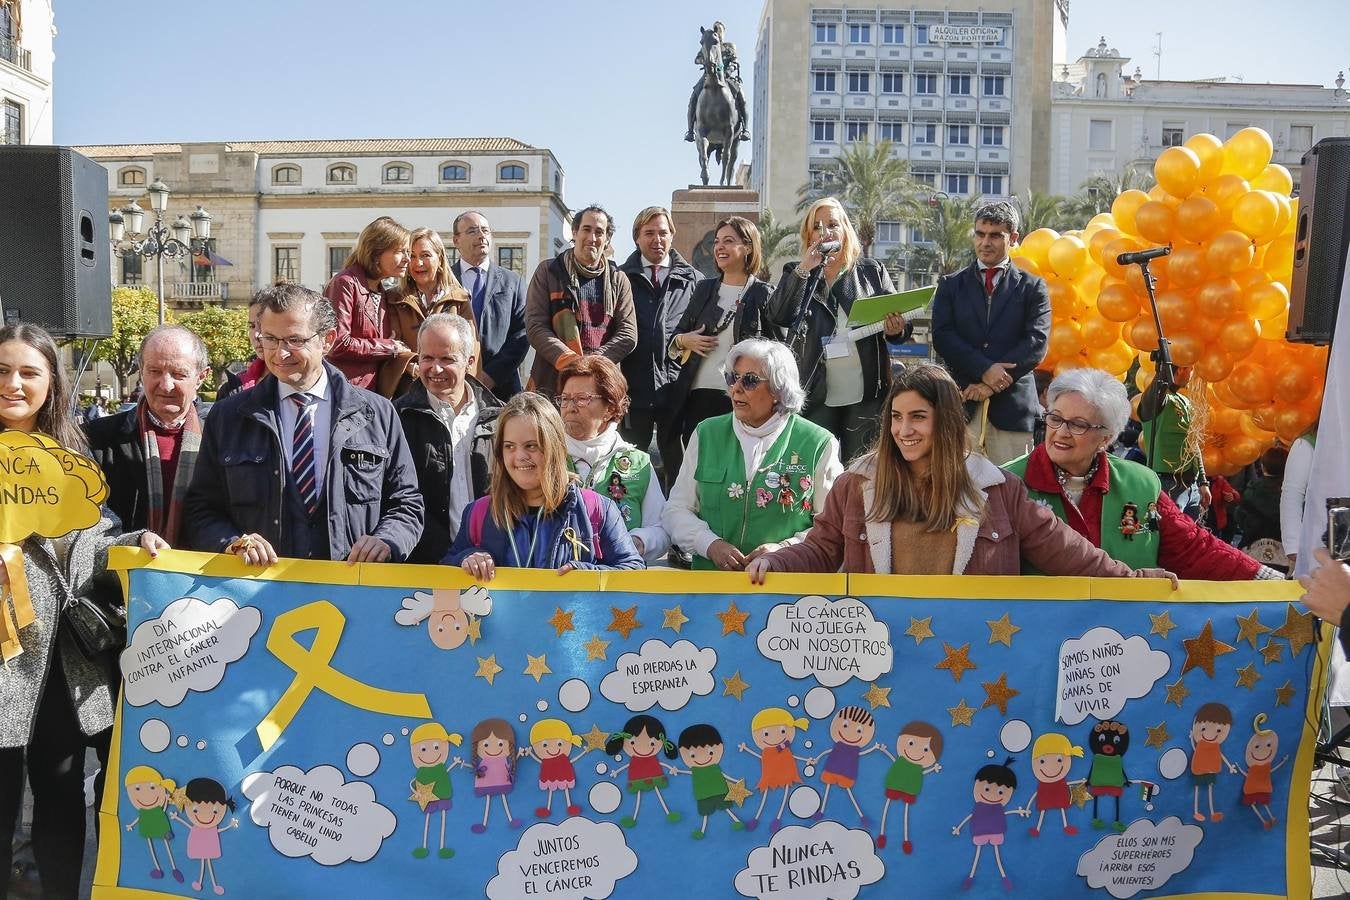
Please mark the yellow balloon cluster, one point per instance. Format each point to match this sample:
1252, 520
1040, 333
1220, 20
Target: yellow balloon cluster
1223, 293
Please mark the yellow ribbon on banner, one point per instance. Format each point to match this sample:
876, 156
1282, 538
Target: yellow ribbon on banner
16, 593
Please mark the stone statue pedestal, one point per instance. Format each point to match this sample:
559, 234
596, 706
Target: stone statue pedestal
696, 212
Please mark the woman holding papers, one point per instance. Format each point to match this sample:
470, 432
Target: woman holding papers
845, 370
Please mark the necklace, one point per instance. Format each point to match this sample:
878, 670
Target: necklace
534, 536
729, 315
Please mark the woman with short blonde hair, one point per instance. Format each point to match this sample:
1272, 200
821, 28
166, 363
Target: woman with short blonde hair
373, 268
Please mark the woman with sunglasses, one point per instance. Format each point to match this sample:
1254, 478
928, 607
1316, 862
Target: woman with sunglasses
1118, 505
752, 480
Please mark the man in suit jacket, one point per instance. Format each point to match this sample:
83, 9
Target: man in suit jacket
991, 324
498, 299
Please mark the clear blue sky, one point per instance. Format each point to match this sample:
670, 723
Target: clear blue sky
603, 85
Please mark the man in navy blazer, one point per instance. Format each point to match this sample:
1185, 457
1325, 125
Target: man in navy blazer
498, 299
991, 324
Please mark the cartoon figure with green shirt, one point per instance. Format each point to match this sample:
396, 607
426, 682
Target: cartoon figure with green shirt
701, 748
431, 785
917, 749
151, 795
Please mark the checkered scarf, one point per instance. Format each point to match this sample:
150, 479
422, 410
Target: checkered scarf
165, 520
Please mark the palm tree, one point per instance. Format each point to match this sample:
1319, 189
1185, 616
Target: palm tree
1099, 191
945, 223
778, 240
1041, 210
872, 185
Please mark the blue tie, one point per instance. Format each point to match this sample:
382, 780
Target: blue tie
479, 292
302, 453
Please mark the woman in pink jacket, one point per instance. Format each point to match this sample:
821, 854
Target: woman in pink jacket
376, 266
921, 503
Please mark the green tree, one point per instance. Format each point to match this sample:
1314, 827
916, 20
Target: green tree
1099, 191
225, 333
1041, 210
872, 185
945, 223
778, 240
135, 310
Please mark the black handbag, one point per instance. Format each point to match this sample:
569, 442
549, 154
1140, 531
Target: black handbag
96, 629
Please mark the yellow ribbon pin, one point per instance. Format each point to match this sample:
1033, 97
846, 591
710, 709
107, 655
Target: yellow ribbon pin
569, 534
17, 613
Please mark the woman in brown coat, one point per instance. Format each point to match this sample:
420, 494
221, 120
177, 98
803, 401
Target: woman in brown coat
357, 293
920, 503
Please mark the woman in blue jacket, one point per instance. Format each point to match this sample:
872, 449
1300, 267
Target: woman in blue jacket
535, 515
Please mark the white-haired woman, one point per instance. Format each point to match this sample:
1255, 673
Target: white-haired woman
752, 479
1118, 505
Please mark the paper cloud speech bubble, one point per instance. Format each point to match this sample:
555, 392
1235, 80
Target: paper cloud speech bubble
574, 860
824, 861
1102, 670
1142, 858
830, 640
660, 673
45, 489
186, 648
318, 814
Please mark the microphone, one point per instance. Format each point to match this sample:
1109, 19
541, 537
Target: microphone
1130, 259
825, 248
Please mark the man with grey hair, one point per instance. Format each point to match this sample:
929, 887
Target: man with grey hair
991, 324
148, 453
497, 297
303, 464
449, 419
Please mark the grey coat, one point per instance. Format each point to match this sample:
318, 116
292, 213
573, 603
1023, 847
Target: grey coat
23, 680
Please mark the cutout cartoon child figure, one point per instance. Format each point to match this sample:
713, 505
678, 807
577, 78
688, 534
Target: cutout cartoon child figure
151, 795
1051, 758
643, 739
1129, 521
207, 804
551, 743
773, 729
446, 612
852, 729
917, 749
994, 788
1256, 784
430, 744
1209, 730
1109, 742
494, 767
701, 748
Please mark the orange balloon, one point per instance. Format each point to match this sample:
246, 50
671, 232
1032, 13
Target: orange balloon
1145, 362
1097, 243
1099, 333
1186, 348
1026, 265
1203, 327
1159, 269
1218, 299
1067, 256
1066, 338
1186, 267
1286, 214
1257, 215
1247, 423
1275, 328
1226, 190
1274, 177
1143, 334
1268, 300
1224, 391
1209, 150
1292, 422
1251, 383
1142, 380
1293, 383
1124, 207
1214, 461
1114, 358
1113, 250
1117, 303
1155, 220
1177, 171
1198, 218
1228, 252
1104, 219
1239, 334
1221, 418
1247, 153
1174, 308
1279, 259
1242, 451
1214, 365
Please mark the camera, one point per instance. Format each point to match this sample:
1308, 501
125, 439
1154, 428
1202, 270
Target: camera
1338, 528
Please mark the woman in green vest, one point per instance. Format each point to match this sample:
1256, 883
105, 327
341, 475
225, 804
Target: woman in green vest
593, 399
1120, 506
753, 479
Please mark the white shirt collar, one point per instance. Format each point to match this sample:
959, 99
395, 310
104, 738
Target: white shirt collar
663, 264
464, 265
319, 389
1007, 261
439, 406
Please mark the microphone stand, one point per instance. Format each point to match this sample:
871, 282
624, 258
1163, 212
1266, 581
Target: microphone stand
797, 334
1164, 379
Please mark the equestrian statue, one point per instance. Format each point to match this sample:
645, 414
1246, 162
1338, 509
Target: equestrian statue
717, 118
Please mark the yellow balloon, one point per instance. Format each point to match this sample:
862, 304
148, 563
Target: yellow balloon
1247, 153
1293, 216
1036, 246
1229, 252
1279, 259
1257, 215
1226, 190
1068, 255
1274, 177
1178, 171
1103, 219
1115, 358
1124, 207
1210, 151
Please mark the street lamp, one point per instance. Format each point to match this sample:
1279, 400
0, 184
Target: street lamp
183, 238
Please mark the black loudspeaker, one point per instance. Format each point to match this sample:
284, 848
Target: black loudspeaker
1321, 241
54, 251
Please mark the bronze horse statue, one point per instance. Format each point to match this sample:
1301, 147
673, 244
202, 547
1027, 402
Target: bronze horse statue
716, 124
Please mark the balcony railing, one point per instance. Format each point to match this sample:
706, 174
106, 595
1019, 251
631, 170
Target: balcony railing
12, 53
199, 290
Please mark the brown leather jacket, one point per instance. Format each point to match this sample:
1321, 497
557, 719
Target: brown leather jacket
404, 315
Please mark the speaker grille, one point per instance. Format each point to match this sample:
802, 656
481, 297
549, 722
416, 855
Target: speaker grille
1321, 239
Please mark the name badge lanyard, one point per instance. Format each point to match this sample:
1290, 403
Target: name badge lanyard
534, 536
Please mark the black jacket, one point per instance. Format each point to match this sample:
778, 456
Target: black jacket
115, 444
751, 321
648, 370
501, 328
434, 460
874, 281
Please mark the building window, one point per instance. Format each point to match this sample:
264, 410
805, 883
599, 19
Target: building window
510, 172
860, 34
891, 131
822, 130
1100, 134
512, 258
452, 256
398, 173
993, 86
827, 34
892, 34
342, 173
920, 34
820, 178
454, 172
856, 131
958, 85
823, 82
956, 184
1300, 138
13, 123
286, 264
991, 184
337, 256
925, 132
1173, 135
888, 232
286, 175
916, 234
131, 177
930, 179
892, 82
958, 134
131, 268
860, 82
991, 135
1233, 128
925, 82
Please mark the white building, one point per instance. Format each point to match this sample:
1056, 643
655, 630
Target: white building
1107, 120
26, 57
293, 209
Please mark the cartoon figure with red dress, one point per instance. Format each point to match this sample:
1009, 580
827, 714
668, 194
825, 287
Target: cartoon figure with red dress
551, 743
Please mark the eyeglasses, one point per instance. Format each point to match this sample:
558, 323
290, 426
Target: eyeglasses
1077, 427
475, 231
575, 399
749, 381
271, 342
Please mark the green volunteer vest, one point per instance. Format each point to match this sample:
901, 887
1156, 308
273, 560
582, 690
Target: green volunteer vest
1173, 422
1136, 546
634, 471
776, 503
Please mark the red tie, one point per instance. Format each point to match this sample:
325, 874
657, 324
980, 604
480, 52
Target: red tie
656, 278
989, 275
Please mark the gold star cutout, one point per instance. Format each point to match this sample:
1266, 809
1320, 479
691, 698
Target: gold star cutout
1250, 628
537, 666
733, 620
1271, 652
562, 621
737, 792
1297, 629
957, 660
595, 648
1157, 735
1284, 694
423, 794
475, 630
919, 629
488, 668
1162, 624
734, 686
1079, 795
877, 695
961, 713
1001, 630
1177, 692
1202, 650
997, 693
673, 618
1248, 676
595, 739
624, 621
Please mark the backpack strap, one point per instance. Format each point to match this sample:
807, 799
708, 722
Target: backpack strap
477, 515
593, 512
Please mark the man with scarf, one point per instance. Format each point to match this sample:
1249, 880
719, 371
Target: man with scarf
148, 452
579, 303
